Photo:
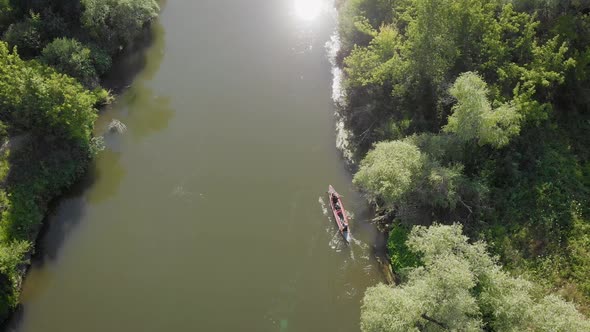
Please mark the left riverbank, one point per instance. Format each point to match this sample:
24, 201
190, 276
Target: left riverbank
53, 57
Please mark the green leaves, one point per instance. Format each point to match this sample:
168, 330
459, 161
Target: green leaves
70, 57
26, 35
117, 23
37, 98
379, 62
472, 117
459, 287
388, 170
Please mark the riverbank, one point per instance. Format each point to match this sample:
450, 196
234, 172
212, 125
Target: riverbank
46, 127
521, 185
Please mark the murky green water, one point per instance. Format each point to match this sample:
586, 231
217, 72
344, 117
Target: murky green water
207, 214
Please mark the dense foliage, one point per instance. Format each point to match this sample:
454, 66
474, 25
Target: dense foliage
117, 22
491, 98
459, 287
69, 56
51, 61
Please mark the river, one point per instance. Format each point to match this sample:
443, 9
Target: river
208, 213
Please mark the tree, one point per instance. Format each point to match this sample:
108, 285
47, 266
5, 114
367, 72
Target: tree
117, 23
6, 14
26, 35
70, 57
473, 118
401, 175
37, 98
459, 287
377, 63
387, 171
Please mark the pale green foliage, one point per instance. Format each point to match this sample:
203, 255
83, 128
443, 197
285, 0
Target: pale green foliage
399, 174
473, 118
388, 170
461, 288
116, 23
554, 314
380, 301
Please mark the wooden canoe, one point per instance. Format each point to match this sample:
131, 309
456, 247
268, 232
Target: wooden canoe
339, 213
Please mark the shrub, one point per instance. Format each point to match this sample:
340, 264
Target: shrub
117, 23
70, 57
35, 97
26, 35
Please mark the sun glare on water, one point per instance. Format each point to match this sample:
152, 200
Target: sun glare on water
307, 9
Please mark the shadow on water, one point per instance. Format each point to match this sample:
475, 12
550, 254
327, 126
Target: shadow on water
133, 63
64, 215
148, 112
66, 212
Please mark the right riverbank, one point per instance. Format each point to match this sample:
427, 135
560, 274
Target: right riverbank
468, 115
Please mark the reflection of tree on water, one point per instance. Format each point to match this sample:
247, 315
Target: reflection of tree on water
147, 113
140, 108
108, 173
140, 62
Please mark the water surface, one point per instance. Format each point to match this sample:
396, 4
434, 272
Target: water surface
208, 213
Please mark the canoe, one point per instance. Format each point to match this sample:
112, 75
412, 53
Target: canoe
339, 213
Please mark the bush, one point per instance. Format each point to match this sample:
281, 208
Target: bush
399, 253
117, 23
6, 14
387, 171
460, 287
101, 59
26, 36
36, 98
70, 57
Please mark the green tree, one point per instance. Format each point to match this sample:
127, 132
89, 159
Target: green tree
459, 287
377, 63
388, 170
117, 23
26, 35
35, 97
70, 57
6, 14
473, 118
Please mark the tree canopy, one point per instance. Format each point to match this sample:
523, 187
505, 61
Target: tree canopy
460, 287
117, 23
35, 97
492, 95
472, 117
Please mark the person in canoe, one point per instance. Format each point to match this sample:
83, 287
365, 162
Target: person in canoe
336, 204
339, 213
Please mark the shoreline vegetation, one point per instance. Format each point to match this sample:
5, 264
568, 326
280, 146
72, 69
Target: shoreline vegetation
467, 122
53, 55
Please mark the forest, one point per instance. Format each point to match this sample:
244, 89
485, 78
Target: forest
53, 55
472, 117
